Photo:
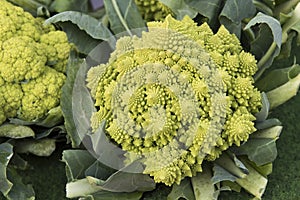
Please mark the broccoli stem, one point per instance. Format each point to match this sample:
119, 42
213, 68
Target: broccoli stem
263, 7
285, 7
80, 188
261, 64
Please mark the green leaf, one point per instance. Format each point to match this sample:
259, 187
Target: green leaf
77, 161
267, 124
85, 22
180, 8
43, 133
284, 92
42, 147
233, 167
292, 24
52, 118
105, 195
6, 153
123, 16
278, 77
260, 150
82, 104
264, 112
19, 190
66, 97
99, 171
209, 9
83, 42
107, 152
15, 131
254, 182
234, 11
183, 190
276, 33
75, 5
122, 181
203, 185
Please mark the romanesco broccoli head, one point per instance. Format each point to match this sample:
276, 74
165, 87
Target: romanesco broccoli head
32, 64
153, 9
176, 96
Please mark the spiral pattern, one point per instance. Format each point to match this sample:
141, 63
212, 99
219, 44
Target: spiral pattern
165, 101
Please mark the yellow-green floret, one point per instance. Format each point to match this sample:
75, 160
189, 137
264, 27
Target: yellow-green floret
153, 9
176, 96
32, 64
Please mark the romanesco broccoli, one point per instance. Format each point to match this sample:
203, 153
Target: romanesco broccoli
175, 97
32, 64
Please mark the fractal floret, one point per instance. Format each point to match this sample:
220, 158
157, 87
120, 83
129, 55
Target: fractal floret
153, 9
32, 64
176, 96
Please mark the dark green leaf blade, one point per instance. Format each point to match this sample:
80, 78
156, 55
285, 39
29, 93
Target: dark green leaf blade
180, 8
123, 16
184, 190
77, 161
105, 195
66, 97
276, 36
85, 22
234, 11
6, 153
15, 131
19, 189
209, 9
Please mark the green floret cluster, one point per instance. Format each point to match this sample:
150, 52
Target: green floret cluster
153, 10
33, 58
176, 96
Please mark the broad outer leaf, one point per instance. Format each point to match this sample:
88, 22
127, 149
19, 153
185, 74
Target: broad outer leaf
85, 22
66, 98
19, 190
15, 131
75, 5
260, 150
184, 190
122, 181
6, 153
264, 112
180, 8
99, 171
278, 77
77, 161
123, 16
105, 195
52, 118
82, 104
202, 184
220, 174
276, 35
42, 147
234, 11
209, 9
283, 93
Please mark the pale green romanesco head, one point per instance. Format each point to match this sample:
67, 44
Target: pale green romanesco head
175, 97
153, 10
32, 64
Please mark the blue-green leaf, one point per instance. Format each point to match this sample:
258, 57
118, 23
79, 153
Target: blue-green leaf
234, 11
183, 190
180, 8
123, 16
269, 52
6, 153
